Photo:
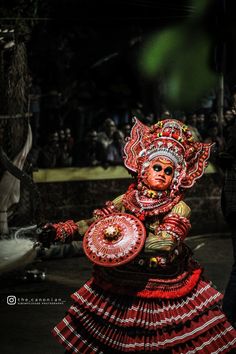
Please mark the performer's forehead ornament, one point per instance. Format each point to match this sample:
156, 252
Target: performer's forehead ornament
168, 139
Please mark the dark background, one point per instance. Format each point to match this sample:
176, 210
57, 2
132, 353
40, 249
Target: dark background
87, 52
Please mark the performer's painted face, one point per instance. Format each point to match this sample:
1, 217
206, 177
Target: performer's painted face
159, 174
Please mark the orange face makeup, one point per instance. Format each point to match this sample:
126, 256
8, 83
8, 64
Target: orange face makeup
159, 174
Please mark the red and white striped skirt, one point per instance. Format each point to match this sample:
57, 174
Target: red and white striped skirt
183, 320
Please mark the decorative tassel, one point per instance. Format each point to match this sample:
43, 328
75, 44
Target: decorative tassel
172, 294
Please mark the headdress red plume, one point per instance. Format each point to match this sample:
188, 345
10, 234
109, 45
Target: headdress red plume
135, 144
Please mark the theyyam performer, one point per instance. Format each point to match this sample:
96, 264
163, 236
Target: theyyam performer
147, 294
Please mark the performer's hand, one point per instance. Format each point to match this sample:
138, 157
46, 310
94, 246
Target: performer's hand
163, 242
166, 241
46, 234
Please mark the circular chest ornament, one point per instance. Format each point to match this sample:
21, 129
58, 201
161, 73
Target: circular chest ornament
114, 240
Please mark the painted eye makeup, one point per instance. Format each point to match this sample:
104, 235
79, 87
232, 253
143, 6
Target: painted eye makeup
168, 171
157, 168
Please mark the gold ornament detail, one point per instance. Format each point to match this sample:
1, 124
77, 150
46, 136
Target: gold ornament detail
112, 233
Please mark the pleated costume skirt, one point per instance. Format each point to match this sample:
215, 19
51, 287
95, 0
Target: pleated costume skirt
118, 311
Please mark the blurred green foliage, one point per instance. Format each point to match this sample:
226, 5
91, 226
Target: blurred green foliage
182, 54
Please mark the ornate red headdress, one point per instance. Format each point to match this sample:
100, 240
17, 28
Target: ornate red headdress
170, 139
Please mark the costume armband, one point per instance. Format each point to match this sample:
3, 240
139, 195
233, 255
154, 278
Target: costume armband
175, 225
65, 231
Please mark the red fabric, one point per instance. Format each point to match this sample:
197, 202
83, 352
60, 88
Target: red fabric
147, 287
185, 289
101, 322
118, 339
146, 313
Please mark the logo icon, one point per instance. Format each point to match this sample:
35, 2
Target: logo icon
11, 300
